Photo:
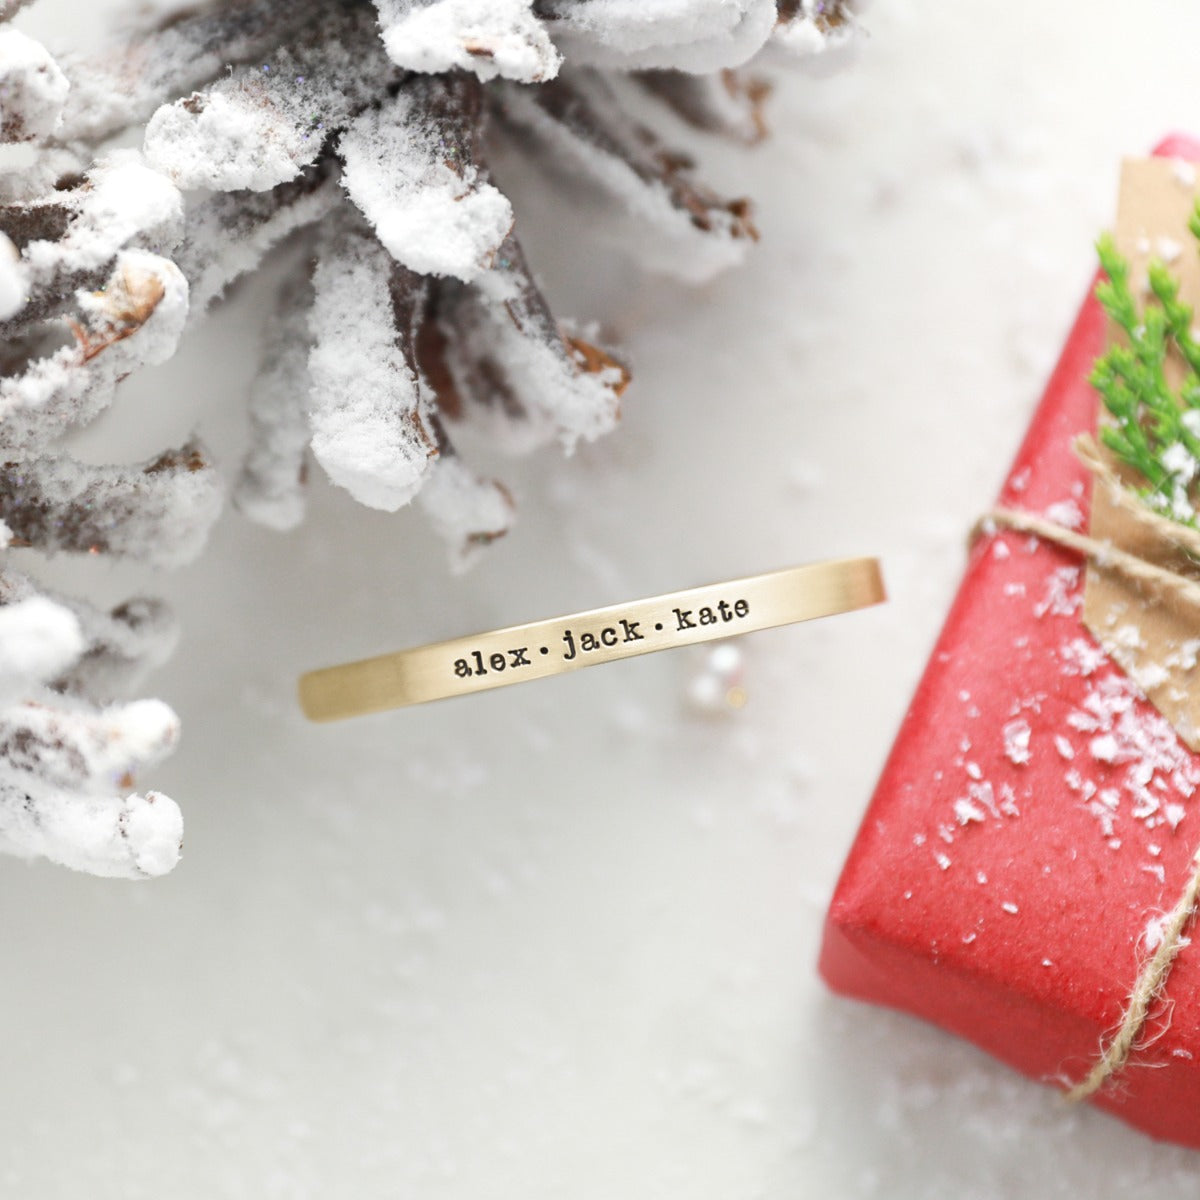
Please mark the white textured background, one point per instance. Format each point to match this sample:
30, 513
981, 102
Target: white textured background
559, 941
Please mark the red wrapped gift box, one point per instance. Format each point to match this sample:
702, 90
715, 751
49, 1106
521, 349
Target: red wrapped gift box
1036, 816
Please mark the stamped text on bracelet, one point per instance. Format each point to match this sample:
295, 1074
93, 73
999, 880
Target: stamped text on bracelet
607, 637
561, 644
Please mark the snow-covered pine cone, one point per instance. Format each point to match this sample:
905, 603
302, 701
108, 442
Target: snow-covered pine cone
361, 126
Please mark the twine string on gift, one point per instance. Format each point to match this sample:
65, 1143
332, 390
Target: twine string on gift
1152, 975
1148, 986
1103, 554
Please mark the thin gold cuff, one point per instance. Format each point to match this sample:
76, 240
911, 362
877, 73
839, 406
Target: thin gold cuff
522, 652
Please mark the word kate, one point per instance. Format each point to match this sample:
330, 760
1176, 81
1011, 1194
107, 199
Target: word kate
609, 637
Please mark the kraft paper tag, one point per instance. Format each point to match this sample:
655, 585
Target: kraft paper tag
1154, 636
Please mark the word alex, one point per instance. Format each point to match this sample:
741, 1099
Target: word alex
607, 638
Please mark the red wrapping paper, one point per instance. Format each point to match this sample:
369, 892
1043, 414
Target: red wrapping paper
1036, 814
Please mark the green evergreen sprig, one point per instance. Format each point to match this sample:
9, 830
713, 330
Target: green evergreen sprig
1157, 428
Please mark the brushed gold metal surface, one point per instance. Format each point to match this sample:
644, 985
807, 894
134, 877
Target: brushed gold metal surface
519, 653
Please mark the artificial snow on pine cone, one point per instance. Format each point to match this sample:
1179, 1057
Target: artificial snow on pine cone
84, 260
359, 130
